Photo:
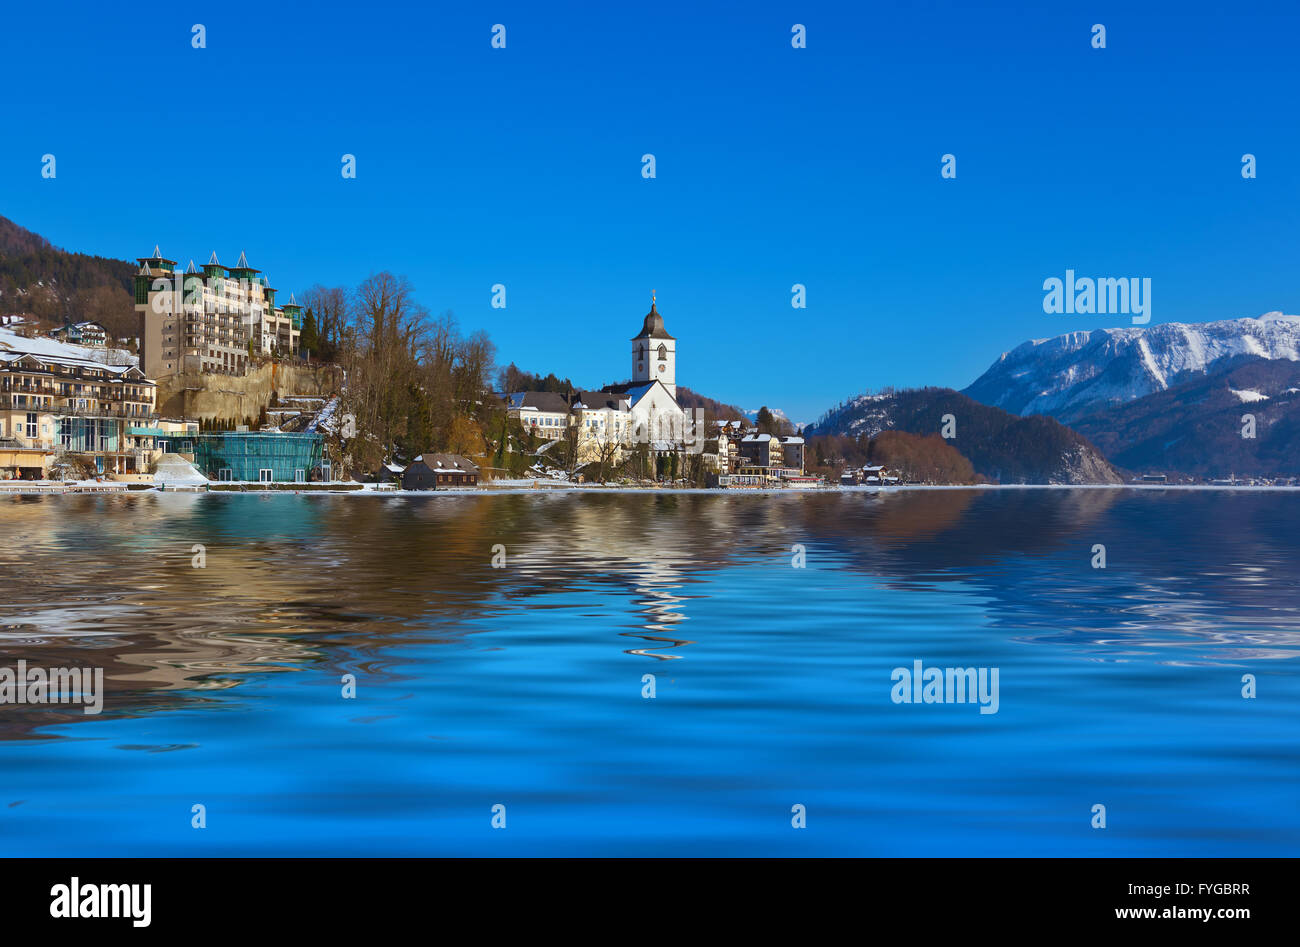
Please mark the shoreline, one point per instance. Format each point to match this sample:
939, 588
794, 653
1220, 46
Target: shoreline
348, 489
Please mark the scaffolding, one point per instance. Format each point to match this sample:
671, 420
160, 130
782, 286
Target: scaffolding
254, 456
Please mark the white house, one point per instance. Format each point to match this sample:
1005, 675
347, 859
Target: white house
545, 413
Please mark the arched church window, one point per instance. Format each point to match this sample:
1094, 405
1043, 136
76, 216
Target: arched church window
663, 351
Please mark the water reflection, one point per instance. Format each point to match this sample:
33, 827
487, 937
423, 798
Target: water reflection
336, 584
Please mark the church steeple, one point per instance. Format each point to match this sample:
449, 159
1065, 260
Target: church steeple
654, 352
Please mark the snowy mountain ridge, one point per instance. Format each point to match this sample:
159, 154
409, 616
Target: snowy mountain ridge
1068, 375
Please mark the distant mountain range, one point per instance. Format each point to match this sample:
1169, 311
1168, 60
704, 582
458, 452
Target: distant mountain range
1169, 398
1079, 373
1000, 446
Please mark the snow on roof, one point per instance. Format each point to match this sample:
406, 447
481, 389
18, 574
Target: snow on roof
14, 346
637, 392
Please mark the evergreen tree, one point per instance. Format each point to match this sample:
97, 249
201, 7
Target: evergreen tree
309, 341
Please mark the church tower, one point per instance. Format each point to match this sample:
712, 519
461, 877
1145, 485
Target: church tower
654, 353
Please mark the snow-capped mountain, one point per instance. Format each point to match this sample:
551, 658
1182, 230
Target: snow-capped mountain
1075, 374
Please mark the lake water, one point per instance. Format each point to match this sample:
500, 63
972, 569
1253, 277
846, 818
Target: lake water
523, 686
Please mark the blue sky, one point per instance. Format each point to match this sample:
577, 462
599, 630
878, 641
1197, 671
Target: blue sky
775, 166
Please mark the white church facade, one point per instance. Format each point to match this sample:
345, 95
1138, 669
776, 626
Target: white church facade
620, 417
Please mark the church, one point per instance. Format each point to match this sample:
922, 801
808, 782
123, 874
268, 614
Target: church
641, 411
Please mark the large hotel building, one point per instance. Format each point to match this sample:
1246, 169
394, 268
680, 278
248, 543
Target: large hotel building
209, 320
54, 403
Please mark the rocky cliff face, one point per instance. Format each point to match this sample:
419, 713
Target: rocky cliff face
201, 395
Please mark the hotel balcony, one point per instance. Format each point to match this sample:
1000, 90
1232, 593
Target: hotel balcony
11, 402
105, 409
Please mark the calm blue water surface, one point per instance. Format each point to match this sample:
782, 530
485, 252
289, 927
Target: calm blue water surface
522, 686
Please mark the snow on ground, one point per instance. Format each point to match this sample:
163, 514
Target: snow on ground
1247, 395
173, 469
324, 422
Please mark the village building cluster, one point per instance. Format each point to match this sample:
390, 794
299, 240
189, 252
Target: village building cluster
73, 403
644, 413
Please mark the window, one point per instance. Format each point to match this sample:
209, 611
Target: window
300, 476
225, 474
663, 351
264, 475
31, 425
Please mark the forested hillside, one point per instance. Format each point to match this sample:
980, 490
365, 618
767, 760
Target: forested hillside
55, 286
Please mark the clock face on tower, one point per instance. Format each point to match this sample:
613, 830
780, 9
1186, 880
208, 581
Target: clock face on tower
661, 368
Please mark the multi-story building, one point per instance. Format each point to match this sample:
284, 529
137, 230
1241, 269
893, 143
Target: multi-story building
82, 333
53, 404
209, 321
280, 329
760, 450
792, 458
544, 413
